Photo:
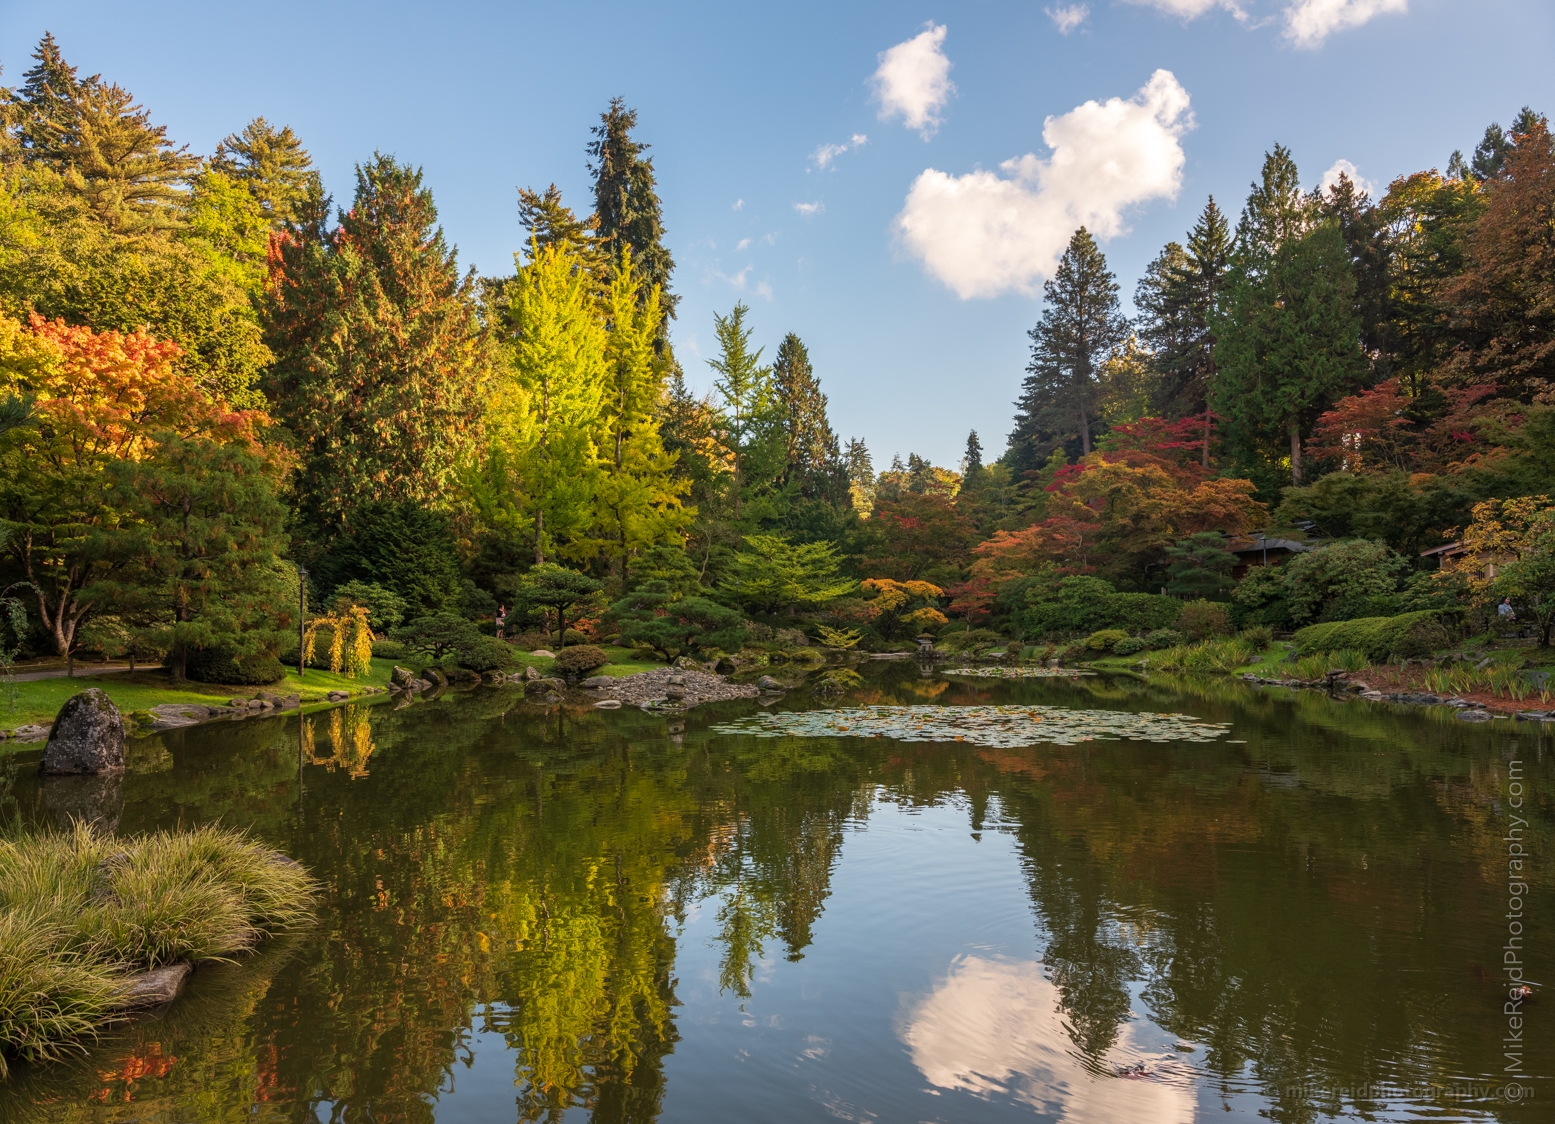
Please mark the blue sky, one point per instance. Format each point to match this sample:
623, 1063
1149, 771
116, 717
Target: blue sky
917, 330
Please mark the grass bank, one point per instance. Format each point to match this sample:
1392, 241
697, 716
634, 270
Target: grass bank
81, 913
39, 700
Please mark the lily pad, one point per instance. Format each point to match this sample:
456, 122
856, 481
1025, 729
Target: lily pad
995, 727
1020, 672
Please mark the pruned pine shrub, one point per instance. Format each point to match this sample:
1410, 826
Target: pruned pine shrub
1128, 646
1103, 640
580, 660
1407, 636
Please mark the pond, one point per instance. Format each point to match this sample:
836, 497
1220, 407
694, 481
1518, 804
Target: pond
1089, 900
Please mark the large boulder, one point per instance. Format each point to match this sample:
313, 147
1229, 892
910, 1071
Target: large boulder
87, 737
401, 678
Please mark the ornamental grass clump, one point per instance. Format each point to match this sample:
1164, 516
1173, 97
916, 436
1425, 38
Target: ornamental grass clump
83, 912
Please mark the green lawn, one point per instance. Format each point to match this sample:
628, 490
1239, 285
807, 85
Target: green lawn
39, 700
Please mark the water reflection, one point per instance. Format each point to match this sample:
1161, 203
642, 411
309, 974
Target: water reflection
1314, 907
999, 1027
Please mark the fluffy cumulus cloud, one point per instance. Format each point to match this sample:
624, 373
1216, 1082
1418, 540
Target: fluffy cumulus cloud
1309, 22
1068, 17
827, 153
1345, 168
808, 209
985, 233
913, 81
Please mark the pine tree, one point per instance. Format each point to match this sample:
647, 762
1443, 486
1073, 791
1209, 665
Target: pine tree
861, 475
752, 429
1502, 305
813, 455
273, 166
1369, 242
638, 499
1080, 325
1276, 212
550, 223
1289, 343
542, 463
1178, 299
626, 203
972, 459
45, 98
381, 363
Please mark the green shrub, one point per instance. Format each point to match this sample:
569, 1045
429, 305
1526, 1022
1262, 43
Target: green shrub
1220, 656
968, 640
1104, 640
485, 653
1140, 612
389, 650
580, 660
573, 636
222, 665
672, 628
1163, 638
1260, 634
1407, 636
1128, 646
1086, 604
1203, 619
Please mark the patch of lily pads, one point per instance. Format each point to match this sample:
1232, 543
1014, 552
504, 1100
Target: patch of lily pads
1019, 672
993, 727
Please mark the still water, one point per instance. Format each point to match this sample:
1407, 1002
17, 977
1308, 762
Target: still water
1296, 910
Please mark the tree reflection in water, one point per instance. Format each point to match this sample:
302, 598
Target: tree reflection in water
1306, 907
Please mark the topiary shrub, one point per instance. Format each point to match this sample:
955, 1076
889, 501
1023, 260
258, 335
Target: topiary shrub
1407, 636
223, 665
1103, 640
1128, 646
580, 660
1201, 620
485, 653
1163, 638
389, 650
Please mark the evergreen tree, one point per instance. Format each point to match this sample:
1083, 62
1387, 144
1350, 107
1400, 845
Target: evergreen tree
972, 459
1178, 299
1289, 344
752, 423
45, 99
541, 469
1201, 567
1369, 242
1080, 326
272, 164
381, 363
626, 203
550, 223
861, 475
1502, 305
1276, 212
638, 500
813, 455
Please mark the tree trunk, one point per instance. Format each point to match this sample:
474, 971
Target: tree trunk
1085, 434
177, 663
1295, 454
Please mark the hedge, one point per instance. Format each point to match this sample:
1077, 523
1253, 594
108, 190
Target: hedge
1406, 636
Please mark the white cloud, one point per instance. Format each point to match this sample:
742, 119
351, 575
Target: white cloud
913, 80
1192, 9
739, 204
983, 234
1309, 22
1345, 168
742, 244
735, 281
996, 1028
1066, 19
809, 208
829, 152
764, 290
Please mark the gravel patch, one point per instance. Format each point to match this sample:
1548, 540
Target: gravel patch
661, 686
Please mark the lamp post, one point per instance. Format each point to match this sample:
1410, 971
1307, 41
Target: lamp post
302, 614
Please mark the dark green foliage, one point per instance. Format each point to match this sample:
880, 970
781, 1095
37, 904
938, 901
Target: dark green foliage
580, 659
403, 547
437, 634
814, 456
380, 359
1334, 581
1159, 638
385, 608
1201, 566
651, 616
486, 653
1085, 604
1202, 619
272, 164
1128, 646
1407, 636
627, 205
1409, 517
1080, 326
1104, 639
225, 666
553, 588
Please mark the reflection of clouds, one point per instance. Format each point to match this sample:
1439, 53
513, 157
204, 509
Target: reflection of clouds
995, 1027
